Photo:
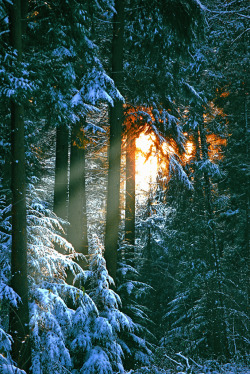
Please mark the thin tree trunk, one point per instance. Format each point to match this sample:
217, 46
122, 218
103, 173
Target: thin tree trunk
130, 191
116, 120
247, 189
84, 207
19, 317
148, 249
77, 232
61, 172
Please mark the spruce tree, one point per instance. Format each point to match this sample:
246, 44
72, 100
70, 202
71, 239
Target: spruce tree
116, 120
77, 231
19, 317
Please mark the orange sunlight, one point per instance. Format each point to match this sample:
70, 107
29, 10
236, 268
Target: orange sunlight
149, 160
146, 165
189, 148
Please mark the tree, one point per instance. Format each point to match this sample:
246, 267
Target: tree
130, 190
232, 95
61, 172
77, 231
189, 241
205, 310
116, 120
19, 317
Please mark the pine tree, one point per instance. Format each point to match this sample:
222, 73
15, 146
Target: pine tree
19, 317
116, 120
203, 246
130, 190
61, 172
77, 231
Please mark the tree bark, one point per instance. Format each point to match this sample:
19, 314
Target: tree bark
246, 196
116, 120
61, 172
19, 317
130, 191
77, 232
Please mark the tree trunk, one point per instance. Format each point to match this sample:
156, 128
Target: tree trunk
130, 191
116, 120
77, 232
246, 198
19, 317
61, 172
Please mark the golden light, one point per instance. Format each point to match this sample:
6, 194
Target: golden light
189, 150
146, 161
216, 146
150, 159
167, 149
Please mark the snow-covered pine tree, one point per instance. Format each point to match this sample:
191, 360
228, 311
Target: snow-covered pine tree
198, 309
49, 294
107, 356
137, 342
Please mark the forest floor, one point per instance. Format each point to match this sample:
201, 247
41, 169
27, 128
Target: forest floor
207, 367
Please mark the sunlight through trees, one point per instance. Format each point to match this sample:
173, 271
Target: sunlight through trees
124, 179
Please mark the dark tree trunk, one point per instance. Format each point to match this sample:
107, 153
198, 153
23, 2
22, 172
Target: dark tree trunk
246, 197
130, 192
61, 172
19, 317
116, 120
77, 232
148, 249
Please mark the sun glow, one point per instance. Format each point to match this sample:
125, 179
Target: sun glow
189, 151
146, 161
189, 148
153, 155
167, 148
149, 160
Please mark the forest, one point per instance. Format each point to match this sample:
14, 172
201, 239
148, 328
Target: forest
124, 187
